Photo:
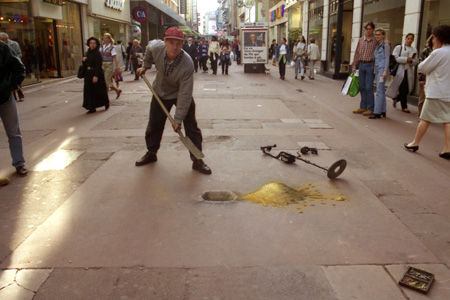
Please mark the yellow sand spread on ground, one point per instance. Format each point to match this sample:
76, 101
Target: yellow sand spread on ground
280, 195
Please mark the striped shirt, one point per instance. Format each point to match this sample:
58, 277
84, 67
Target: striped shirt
173, 80
364, 50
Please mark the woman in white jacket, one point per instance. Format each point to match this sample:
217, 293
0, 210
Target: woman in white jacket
213, 53
403, 83
436, 108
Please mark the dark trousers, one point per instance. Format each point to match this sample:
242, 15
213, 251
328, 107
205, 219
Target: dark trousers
155, 127
282, 67
134, 61
203, 63
238, 57
225, 64
195, 64
403, 91
214, 57
127, 63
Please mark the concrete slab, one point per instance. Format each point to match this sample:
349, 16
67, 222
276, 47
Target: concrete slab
242, 109
362, 282
439, 289
58, 160
16, 292
104, 221
7, 277
305, 282
319, 126
32, 279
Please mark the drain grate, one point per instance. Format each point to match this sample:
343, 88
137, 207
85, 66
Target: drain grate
218, 196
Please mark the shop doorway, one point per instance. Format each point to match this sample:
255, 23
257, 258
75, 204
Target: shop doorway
339, 38
46, 48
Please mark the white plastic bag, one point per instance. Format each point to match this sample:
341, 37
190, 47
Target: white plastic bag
292, 64
346, 85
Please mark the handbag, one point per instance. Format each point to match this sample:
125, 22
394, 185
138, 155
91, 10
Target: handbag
82, 71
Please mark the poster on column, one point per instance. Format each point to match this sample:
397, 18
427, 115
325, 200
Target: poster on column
254, 48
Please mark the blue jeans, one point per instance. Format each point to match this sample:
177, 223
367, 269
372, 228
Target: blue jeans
299, 64
10, 119
380, 100
366, 85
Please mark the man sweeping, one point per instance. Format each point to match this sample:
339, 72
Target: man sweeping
174, 84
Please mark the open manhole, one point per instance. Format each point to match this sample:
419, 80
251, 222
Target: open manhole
218, 196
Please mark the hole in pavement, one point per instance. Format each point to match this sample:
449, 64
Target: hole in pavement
219, 196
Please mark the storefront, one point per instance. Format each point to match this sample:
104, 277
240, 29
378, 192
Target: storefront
109, 17
278, 26
435, 13
16, 20
295, 13
154, 17
339, 37
388, 15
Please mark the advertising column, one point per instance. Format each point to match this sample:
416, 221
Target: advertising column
254, 47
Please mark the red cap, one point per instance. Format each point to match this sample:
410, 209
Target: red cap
174, 33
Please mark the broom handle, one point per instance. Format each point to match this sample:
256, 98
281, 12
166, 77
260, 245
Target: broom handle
159, 100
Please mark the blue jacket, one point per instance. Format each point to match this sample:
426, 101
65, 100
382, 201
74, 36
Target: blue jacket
277, 52
202, 49
12, 72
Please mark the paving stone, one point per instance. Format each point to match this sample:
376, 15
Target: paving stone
7, 277
58, 160
282, 125
313, 121
319, 126
386, 187
32, 279
291, 120
362, 282
29, 136
439, 289
15, 292
306, 282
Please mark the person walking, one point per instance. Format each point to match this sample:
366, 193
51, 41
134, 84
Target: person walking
363, 61
225, 56
17, 52
174, 85
203, 55
238, 52
191, 49
436, 108
272, 50
127, 62
12, 73
403, 82
135, 51
381, 55
95, 93
313, 53
421, 77
300, 50
110, 62
283, 57
214, 53
121, 56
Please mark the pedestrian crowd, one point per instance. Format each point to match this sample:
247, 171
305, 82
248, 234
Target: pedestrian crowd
374, 60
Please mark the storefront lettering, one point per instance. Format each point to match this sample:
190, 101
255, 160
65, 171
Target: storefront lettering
277, 13
115, 4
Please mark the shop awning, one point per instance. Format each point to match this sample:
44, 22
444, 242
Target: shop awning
167, 10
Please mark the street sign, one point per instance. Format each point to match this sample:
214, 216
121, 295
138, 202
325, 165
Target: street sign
140, 14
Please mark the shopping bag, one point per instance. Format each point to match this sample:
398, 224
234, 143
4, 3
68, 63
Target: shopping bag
292, 64
346, 85
354, 86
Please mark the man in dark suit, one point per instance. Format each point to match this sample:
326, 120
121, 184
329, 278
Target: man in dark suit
191, 48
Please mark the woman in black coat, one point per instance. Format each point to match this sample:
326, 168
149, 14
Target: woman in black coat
95, 93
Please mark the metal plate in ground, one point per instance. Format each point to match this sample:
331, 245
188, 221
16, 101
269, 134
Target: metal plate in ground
218, 196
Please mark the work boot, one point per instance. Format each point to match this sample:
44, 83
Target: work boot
21, 171
367, 113
199, 165
4, 181
149, 157
359, 110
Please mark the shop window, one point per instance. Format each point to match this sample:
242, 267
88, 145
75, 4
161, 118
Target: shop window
315, 21
16, 21
69, 39
388, 15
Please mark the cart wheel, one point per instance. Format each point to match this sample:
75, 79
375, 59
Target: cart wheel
336, 169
